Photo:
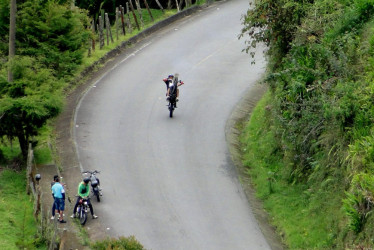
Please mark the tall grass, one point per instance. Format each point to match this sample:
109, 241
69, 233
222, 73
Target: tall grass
305, 218
17, 225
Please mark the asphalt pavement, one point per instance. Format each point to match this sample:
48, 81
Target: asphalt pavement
170, 182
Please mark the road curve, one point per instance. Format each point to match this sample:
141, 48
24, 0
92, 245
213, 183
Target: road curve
170, 181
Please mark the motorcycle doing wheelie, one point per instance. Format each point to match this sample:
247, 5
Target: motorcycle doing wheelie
173, 94
95, 183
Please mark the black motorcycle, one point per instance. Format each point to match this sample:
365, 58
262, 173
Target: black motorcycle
173, 90
95, 183
172, 104
82, 210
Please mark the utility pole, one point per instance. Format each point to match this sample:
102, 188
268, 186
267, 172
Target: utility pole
12, 37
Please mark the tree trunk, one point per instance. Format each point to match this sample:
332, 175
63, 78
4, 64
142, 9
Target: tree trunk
23, 144
12, 36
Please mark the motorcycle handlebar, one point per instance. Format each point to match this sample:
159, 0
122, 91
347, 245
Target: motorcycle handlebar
90, 172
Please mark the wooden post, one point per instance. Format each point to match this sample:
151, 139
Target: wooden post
108, 28
117, 22
133, 14
169, 5
29, 169
139, 12
176, 2
101, 27
181, 2
149, 11
159, 5
122, 20
129, 24
93, 32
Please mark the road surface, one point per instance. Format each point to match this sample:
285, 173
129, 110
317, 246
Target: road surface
170, 181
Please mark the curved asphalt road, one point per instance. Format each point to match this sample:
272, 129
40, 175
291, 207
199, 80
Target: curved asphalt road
170, 182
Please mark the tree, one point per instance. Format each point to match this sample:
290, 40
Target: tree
274, 23
27, 103
12, 35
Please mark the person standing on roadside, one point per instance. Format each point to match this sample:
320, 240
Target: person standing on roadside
54, 204
58, 192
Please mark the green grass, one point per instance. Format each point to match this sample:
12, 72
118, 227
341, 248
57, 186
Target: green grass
304, 217
17, 224
158, 15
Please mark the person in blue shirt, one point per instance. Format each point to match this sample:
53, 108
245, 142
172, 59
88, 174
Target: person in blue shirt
54, 204
59, 196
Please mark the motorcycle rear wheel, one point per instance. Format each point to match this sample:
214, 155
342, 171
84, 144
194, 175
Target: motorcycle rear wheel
171, 108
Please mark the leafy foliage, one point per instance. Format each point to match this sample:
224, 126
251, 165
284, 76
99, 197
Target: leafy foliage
51, 41
28, 102
322, 103
57, 38
125, 243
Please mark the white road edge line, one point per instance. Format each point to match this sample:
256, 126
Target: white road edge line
72, 128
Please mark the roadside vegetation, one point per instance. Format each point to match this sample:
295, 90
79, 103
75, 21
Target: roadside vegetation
309, 145
18, 229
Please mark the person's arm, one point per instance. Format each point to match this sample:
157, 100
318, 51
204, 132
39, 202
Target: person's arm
63, 193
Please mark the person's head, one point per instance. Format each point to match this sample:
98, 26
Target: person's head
171, 76
55, 177
86, 180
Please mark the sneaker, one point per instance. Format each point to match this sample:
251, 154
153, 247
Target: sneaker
62, 221
94, 216
72, 216
52, 218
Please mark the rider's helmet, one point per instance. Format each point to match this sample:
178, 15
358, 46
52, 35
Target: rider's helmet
171, 76
86, 180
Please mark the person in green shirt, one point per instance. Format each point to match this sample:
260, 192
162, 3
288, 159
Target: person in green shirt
84, 192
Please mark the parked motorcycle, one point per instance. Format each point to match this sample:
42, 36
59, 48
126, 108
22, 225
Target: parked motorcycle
95, 183
82, 210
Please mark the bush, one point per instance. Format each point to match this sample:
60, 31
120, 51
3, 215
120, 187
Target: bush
126, 243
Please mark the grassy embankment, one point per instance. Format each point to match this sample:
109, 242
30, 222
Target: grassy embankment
309, 145
18, 228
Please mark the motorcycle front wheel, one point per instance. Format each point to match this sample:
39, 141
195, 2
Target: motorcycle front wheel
82, 217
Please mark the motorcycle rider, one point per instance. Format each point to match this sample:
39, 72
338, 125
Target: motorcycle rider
169, 82
84, 192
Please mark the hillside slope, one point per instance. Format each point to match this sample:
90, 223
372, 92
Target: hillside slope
309, 146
